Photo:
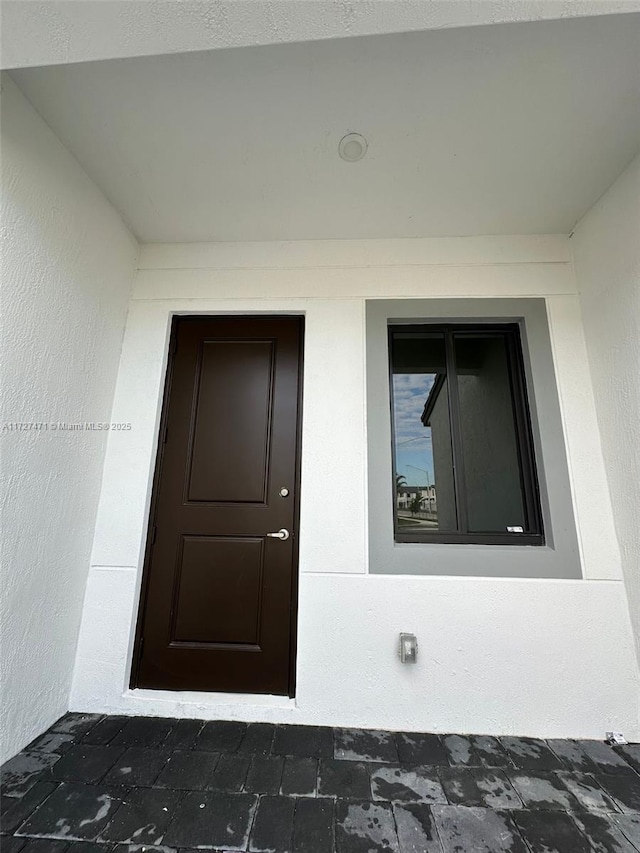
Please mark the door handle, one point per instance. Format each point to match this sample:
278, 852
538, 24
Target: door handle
283, 534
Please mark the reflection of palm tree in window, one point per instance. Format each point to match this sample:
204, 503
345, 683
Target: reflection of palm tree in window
416, 504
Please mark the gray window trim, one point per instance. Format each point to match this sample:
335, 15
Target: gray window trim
559, 556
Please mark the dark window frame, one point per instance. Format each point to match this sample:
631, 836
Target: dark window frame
534, 534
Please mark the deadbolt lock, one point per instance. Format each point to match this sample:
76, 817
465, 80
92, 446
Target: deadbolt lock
284, 492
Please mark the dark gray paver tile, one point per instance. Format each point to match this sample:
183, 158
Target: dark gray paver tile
143, 817
144, 731
230, 773
479, 786
345, 779
421, 749
631, 754
74, 812
300, 777
459, 751
602, 832
258, 739
5, 802
17, 810
313, 826
137, 765
206, 819
143, 848
11, 843
220, 736
273, 825
85, 763
477, 830
623, 789
551, 832
543, 791
571, 754
23, 771
183, 735
416, 829
76, 724
88, 847
529, 753
407, 785
630, 826
41, 845
364, 827
361, 745
324, 742
490, 751
265, 774
303, 741
586, 790
104, 732
52, 742
605, 759
188, 770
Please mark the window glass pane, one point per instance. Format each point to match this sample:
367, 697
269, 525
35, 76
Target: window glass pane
493, 486
424, 493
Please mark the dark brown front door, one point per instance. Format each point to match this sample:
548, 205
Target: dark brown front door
219, 594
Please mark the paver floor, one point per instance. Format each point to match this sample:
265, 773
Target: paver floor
94, 784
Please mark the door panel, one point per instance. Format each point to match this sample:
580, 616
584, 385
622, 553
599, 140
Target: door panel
219, 596
218, 591
221, 470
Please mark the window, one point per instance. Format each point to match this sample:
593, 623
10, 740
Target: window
463, 463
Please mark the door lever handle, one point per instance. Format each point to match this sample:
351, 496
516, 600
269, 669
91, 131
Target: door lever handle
281, 534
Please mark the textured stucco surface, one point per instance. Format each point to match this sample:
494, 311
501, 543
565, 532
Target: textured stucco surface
606, 254
242, 145
50, 32
68, 263
510, 655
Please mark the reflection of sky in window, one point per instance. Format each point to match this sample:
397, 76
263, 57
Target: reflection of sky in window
412, 438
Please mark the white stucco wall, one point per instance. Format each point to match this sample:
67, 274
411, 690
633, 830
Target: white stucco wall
531, 656
51, 32
67, 267
606, 254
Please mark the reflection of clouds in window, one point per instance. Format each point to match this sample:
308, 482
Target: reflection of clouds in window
410, 392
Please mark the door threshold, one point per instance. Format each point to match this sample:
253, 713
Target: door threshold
208, 700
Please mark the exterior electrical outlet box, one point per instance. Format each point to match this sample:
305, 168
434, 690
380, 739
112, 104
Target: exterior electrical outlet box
408, 648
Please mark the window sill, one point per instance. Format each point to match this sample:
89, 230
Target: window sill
517, 539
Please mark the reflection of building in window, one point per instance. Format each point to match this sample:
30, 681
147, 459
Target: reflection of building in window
435, 417
426, 494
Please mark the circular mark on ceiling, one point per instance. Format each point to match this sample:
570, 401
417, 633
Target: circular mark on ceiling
352, 147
